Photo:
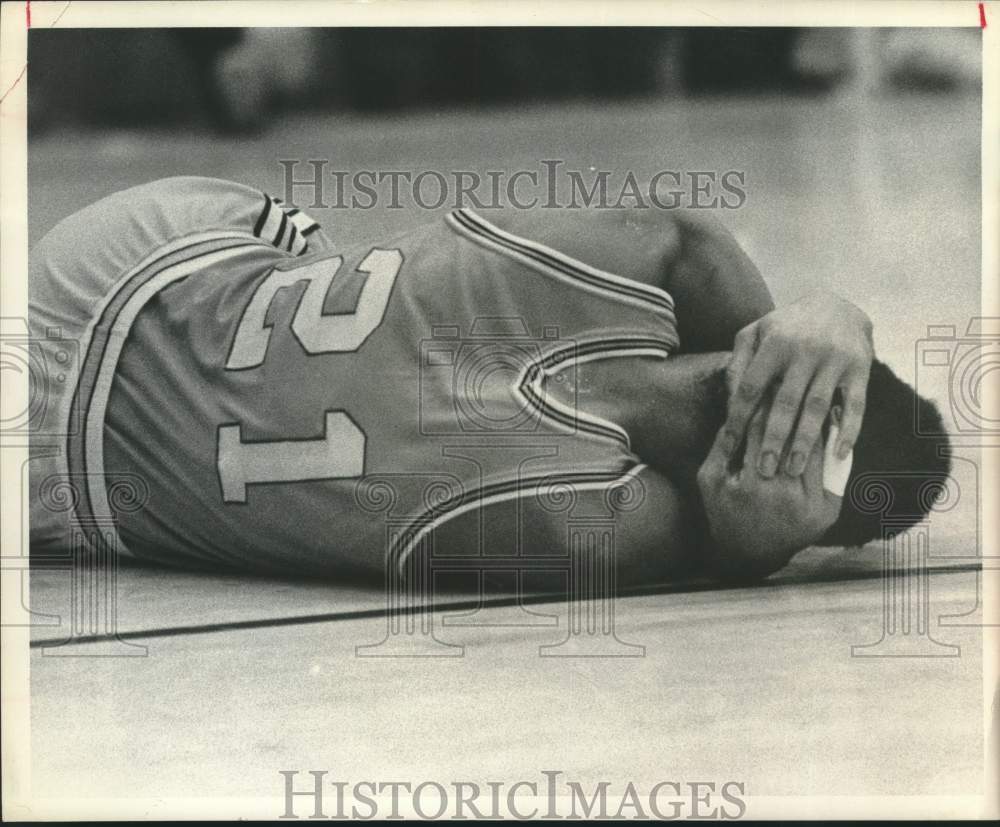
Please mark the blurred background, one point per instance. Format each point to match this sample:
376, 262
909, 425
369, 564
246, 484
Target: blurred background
860, 147
234, 79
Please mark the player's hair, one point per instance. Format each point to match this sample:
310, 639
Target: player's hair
897, 472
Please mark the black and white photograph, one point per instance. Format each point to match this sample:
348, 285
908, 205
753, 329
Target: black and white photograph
499, 411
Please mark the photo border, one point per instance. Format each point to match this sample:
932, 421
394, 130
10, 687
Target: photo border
15, 17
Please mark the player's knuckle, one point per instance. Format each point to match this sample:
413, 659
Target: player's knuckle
816, 404
773, 442
787, 400
803, 444
731, 434
783, 341
807, 429
813, 346
749, 391
856, 405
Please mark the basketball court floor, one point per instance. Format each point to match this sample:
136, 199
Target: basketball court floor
832, 677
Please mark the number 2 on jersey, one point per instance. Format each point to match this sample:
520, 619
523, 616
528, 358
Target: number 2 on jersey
340, 451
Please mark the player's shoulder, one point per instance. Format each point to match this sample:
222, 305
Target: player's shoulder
186, 185
159, 212
596, 223
204, 203
185, 192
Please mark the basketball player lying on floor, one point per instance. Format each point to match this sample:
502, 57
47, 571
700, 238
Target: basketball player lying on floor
291, 407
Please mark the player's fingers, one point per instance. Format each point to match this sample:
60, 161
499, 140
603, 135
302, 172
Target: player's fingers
854, 393
812, 475
784, 412
744, 347
714, 468
718, 455
714, 457
815, 408
755, 436
768, 364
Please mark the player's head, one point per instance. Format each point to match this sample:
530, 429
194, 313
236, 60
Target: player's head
896, 472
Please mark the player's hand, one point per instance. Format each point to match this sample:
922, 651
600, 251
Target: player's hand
805, 351
757, 524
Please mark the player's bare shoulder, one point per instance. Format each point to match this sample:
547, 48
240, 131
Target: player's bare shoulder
639, 244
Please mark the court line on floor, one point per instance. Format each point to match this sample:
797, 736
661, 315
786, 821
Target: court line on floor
460, 605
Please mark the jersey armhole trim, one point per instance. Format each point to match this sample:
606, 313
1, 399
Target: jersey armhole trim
551, 262
530, 386
426, 521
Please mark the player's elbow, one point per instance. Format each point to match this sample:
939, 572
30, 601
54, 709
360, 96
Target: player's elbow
743, 561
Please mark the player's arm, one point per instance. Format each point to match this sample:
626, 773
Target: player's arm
809, 351
753, 525
717, 289
649, 518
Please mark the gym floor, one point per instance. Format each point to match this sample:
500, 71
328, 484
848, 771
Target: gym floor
241, 677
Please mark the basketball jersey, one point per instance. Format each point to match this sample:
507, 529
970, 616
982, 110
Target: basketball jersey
320, 412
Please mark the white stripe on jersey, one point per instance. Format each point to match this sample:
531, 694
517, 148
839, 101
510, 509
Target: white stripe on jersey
518, 247
303, 223
101, 392
286, 227
546, 402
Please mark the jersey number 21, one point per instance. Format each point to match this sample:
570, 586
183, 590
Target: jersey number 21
340, 451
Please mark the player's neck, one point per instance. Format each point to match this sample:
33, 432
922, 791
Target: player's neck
671, 409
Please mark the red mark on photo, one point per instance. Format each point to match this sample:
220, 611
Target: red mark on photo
982, 15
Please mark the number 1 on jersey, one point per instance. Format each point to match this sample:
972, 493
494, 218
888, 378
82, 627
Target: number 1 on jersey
339, 453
